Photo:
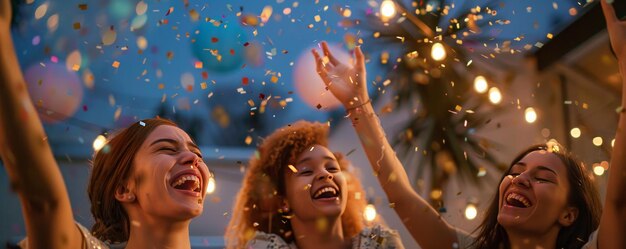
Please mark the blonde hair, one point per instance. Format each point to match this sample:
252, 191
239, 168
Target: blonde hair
258, 203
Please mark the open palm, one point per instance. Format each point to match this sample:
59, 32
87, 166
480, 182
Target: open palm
345, 82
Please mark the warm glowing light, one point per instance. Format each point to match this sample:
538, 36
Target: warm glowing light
598, 169
613, 142
470, 211
211, 186
387, 9
597, 141
494, 95
369, 213
575, 132
480, 84
530, 114
438, 52
99, 142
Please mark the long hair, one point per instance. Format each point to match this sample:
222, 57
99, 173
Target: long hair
258, 204
582, 195
111, 168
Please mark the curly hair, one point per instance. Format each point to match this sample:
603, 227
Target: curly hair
258, 203
583, 194
111, 167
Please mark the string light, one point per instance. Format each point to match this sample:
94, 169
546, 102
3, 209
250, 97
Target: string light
438, 51
370, 213
575, 132
597, 141
470, 211
530, 115
613, 143
387, 10
494, 95
99, 142
598, 169
480, 84
211, 186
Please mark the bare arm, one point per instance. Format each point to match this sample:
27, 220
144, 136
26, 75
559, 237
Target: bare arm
348, 84
613, 221
28, 159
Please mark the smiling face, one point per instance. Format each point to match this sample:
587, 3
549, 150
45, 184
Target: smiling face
169, 177
315, 186
534, 196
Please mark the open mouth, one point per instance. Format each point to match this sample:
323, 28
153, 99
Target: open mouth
517, 200
188, 182
326, 193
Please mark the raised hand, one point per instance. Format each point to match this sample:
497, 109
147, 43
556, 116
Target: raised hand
617, 31
346, 82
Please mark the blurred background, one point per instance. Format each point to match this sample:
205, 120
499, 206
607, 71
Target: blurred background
460, 87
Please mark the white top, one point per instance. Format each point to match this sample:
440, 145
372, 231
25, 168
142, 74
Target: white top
466, 240
89, 241
376, 237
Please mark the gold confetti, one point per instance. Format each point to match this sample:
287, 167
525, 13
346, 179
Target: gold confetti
203, 85
116, 64
248, 140
317, 18
294, 170
198, 64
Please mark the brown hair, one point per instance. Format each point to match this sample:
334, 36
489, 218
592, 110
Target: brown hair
111, 168
582, 195
258, 204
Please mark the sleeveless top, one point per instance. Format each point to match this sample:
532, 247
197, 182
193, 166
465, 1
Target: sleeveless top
376, 237
89, 241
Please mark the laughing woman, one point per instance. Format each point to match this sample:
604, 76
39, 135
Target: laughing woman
299, 194
144, 189
545, 199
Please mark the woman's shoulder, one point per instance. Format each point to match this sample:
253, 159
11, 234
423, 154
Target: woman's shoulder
377, 237
263, 240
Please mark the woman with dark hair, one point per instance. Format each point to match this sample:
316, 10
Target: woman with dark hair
146, 185
545, 199
299, 194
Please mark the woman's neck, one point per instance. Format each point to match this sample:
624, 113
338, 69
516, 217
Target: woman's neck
326, 233
158, 234
520, 239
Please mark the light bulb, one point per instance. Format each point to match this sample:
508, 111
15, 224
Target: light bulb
575, 132
438, 52
211, 186
369, 213
387, 9
530, 115
494, 95
99, 142
480, 84
470, 211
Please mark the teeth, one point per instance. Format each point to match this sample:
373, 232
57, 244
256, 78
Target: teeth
519, 198
182, 179
324, 190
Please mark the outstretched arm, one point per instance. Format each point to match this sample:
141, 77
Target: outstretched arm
28, 159
348, 85
613, 221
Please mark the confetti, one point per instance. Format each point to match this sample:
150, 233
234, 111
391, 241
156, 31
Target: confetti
293, 169
116, 64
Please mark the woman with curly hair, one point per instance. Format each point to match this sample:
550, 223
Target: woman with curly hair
146, 185
298, 194
545, 199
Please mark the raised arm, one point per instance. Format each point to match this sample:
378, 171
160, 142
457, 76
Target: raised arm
28, 160
348, 84
613, 221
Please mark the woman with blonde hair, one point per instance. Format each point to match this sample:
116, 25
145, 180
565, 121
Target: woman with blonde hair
545, 199
298, 194
145, 187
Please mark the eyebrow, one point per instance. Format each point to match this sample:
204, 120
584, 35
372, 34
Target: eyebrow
540, 167
310, 158
172, 141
